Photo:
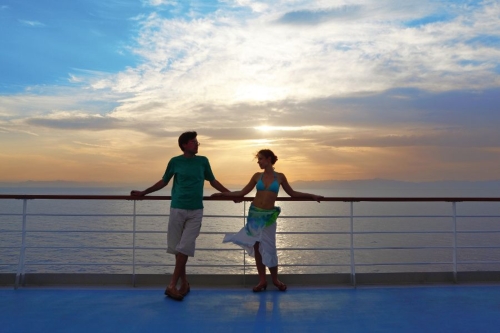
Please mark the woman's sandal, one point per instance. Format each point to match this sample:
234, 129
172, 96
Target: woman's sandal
281, 286
260, 287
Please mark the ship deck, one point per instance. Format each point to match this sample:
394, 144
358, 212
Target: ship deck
429, 308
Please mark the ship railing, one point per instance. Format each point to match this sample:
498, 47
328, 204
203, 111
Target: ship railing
353, 250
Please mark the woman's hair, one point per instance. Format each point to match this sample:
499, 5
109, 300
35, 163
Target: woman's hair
267, 153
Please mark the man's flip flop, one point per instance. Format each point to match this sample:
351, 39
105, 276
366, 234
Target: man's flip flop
174, 294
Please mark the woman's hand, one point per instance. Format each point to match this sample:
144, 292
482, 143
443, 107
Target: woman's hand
317, 197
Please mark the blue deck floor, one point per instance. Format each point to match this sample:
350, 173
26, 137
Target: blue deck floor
450, 308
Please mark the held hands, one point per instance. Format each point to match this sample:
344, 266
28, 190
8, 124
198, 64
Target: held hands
317, 197
136, 193
221, 194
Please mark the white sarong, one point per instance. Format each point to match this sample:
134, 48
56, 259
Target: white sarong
260, 227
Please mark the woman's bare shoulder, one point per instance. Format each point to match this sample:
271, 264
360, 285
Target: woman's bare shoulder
256, 176
281, 176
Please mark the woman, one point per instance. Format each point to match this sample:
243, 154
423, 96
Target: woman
258, 237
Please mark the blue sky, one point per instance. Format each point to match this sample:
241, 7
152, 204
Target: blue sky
45, 40
100, 90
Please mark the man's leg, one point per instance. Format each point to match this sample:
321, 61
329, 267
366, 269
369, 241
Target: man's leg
180, 266
181, 261
179, 270
175, 228
186, 246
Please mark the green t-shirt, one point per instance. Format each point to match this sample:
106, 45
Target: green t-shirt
189, 177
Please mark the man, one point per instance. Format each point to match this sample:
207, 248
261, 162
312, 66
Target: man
186, 209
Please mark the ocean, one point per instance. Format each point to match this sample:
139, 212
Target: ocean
312, 237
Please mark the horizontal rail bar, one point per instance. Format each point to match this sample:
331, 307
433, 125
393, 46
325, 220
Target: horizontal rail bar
81, 247
479, 262
238, 216
192, 265
477, 247
406, 263
341, 199
281, 265
404, 248
478, 232
278, 232
278, 249
400, 232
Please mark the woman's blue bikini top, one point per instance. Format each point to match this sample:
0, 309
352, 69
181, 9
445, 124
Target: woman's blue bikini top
273, 187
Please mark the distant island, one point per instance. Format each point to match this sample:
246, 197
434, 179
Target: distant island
396, 184
57, 183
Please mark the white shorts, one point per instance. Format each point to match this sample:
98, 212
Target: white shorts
183, 228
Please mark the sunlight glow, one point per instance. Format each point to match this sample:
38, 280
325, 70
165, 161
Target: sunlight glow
247, 92
266, 128
260, 142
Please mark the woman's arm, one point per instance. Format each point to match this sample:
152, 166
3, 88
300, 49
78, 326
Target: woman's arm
244, 191
295, 194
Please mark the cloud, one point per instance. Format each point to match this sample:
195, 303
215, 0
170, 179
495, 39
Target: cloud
313, 17
90, 145
257, 60
222, 70
160, 2
41, 100
74, 121
32, 23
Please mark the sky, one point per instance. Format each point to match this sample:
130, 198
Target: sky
99, 91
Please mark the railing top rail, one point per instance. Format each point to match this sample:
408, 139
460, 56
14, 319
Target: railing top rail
341, 199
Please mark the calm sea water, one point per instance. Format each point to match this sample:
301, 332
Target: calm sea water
312, 237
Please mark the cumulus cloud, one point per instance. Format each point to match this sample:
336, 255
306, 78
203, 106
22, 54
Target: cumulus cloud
74, 121
224, 60
243, 68
160, 2
313, 17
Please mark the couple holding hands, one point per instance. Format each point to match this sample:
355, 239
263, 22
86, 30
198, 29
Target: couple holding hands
257, 237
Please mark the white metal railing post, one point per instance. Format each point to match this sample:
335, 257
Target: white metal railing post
20, 266
353, 263
454, 206
244, 252
133, 244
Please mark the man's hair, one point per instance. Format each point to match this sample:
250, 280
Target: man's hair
185, 137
